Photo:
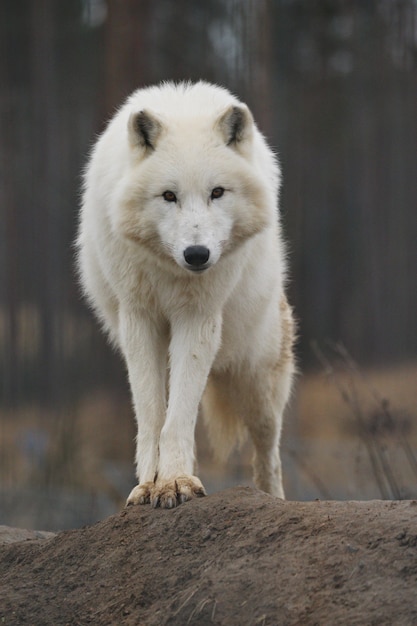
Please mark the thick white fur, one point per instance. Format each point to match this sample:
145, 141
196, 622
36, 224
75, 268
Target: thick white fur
223, 335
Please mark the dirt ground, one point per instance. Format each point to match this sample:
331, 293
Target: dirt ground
238, 557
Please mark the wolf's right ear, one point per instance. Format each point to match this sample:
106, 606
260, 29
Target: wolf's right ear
144, 130
236, 125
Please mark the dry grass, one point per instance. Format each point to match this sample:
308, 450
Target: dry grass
349, 435
360, 427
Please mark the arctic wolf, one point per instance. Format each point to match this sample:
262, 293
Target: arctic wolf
180, 255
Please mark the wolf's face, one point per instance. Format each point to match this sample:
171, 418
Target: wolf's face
192, 195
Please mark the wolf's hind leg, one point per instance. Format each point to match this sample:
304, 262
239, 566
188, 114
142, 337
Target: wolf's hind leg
264, 397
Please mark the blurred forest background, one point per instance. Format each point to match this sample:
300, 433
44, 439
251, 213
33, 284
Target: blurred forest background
333, 86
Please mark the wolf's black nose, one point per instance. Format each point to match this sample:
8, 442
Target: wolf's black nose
196, 256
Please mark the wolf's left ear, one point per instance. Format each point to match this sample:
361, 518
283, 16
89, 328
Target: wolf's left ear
144, 130
236, 125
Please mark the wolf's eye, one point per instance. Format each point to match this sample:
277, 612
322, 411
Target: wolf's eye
216, 193
169, 196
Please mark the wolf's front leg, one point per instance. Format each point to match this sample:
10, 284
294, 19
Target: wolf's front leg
145, 347
194, 344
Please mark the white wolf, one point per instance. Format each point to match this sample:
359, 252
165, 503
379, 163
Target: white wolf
181, 257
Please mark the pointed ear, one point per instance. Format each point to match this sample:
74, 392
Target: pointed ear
144, 130
236, 125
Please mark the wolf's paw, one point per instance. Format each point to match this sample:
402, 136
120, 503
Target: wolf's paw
141, 494
168, 494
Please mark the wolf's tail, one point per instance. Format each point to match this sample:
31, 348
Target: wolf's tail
225, 427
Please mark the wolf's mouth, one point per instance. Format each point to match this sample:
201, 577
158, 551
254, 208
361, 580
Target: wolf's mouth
198, 270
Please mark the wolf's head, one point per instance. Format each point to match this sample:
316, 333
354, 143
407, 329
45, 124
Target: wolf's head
200, 182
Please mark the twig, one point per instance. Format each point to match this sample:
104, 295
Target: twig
316, 480
351, 399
